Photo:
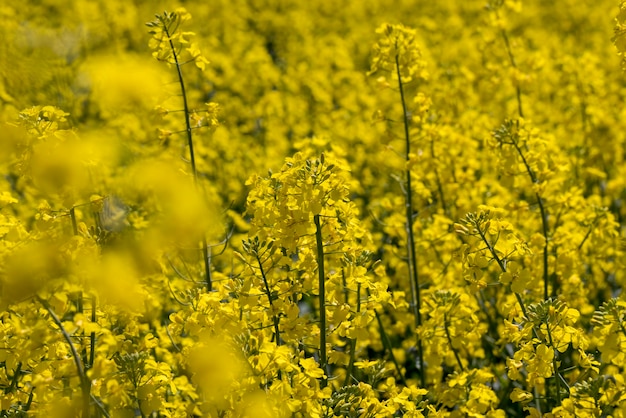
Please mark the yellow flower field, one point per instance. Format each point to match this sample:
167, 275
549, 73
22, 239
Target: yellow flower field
280, 208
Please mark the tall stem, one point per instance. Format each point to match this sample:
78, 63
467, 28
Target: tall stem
518, 90
520, 301
387, 345
322, 296
85, 384
438, 178
183, 91
544, 216
353, 340
544, 220
192, 156
92, 336
412, 256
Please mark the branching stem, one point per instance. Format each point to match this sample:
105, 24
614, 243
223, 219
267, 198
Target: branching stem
412, 256
85, 384
192, 157
501, 264
269, 299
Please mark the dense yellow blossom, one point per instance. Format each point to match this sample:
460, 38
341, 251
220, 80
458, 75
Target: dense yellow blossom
278, 208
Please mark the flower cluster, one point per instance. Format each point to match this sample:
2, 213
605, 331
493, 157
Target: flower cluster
170, 43
398, 54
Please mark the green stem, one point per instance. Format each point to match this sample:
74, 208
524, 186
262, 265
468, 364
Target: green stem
544, 221
544, 226
387, 345
518, 90
587, 235
73, 218
446, 324
544, 216
85, 384
537, 401
520, 301
80, 310
555, 365
14, 378
353, 340
621, 325
346, 291
495, 256
322, 297
269, 298
412, 256
192, 157
181, 81
438, 179
92, 336
29, 402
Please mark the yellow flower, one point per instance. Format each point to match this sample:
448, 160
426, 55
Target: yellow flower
396, 52
519, 395
311, 368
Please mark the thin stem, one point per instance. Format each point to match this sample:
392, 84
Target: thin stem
85, 384
80, 310
544, 221
587, 235
544, 230
29, 402
438, 178
491, 316
555, 365
544, 216
584, 126
494, 254
346, 291
353, 340
537, 402
322, 298
207, 265
412, 256
92, 336
269, 298
192, 157
14, 379
181, 81
518, 90
446, 324
621, 325
73, 218
387, 345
